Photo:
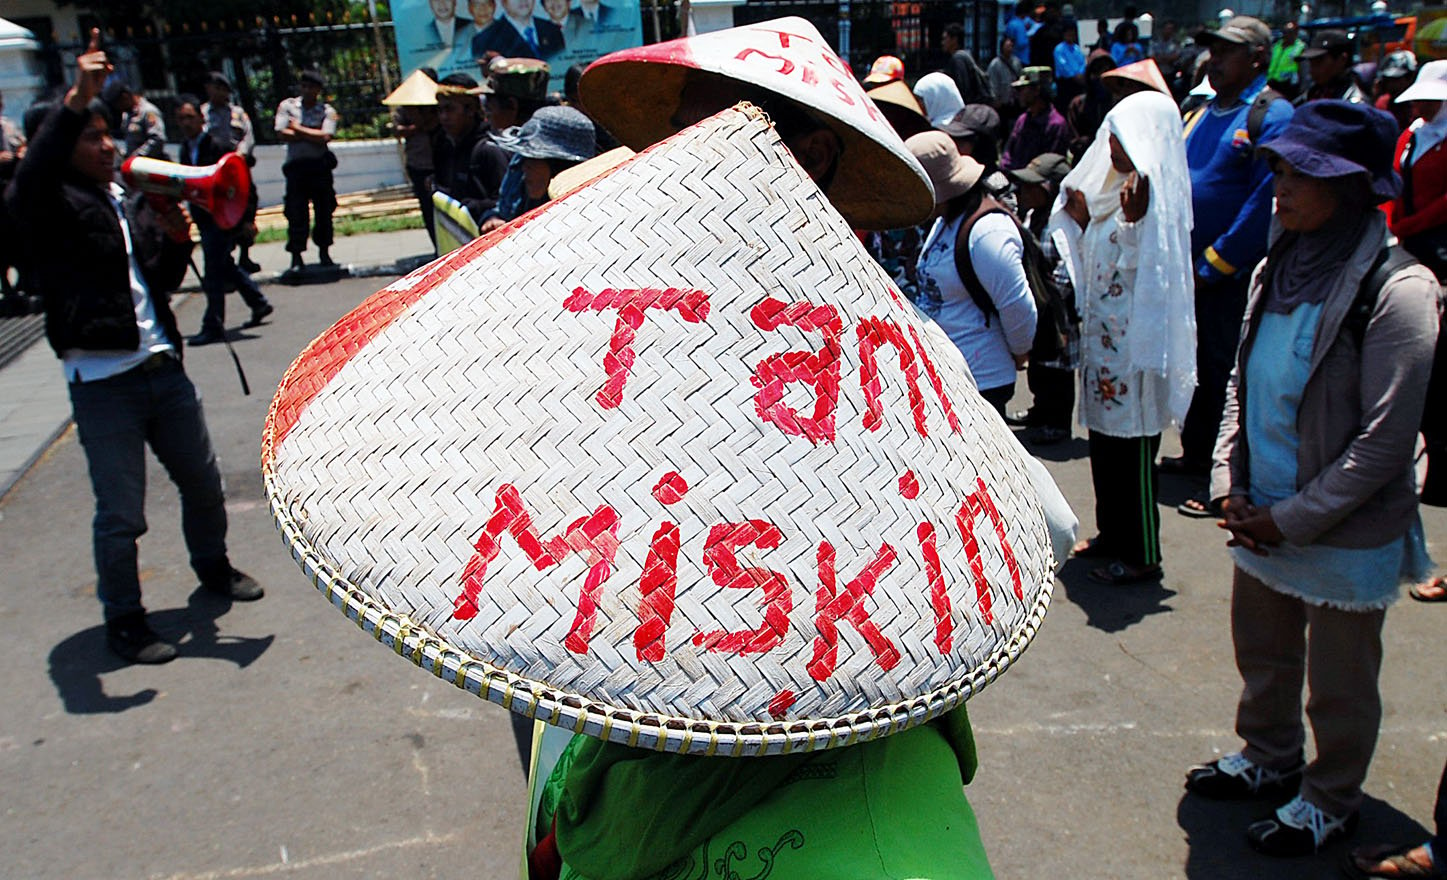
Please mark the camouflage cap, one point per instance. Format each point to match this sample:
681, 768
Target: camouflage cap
525, 78
1035, 76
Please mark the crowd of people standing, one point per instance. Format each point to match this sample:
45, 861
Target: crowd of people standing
1187, 237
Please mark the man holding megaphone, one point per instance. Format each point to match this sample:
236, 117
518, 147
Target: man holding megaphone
104, 264
222, 273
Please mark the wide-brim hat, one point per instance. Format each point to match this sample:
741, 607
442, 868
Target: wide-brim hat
1329, 139
900, 107
635, 94
417, 90
1144, 72
579, 175
1431, 84
552, 133
950, 173
644, 464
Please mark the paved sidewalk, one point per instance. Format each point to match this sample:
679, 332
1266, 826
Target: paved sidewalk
34, 406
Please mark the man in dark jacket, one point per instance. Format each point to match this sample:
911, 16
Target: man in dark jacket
222, 273
104, 266
466, 164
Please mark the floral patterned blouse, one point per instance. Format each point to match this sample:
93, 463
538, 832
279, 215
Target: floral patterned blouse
1114, 400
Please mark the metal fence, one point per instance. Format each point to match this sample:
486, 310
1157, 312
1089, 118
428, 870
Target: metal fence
262, 59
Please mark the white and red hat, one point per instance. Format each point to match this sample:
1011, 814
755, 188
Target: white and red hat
668, 461
635, 94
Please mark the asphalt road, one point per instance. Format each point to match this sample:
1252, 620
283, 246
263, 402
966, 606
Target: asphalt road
286, 743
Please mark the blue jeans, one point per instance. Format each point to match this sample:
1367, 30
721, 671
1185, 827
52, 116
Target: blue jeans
116, 418
222, 273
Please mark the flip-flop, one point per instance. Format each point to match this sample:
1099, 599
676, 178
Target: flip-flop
1395, 858
1198, 507
1118, 574
1434, 590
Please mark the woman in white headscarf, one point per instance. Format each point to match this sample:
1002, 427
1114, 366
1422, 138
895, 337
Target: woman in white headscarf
1126, 213
940, 97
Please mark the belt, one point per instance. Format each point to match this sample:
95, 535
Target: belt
159, 361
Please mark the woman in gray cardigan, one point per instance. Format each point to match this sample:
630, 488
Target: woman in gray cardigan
1313, 468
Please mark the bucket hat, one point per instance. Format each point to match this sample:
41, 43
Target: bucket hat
552, 133
951, 174
885, 69
635, 465
1431, 84
900, 107
635, 93
1329, 139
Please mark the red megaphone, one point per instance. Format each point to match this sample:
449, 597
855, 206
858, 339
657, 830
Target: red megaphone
221, 190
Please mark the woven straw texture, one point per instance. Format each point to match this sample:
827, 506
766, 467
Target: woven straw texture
669, 462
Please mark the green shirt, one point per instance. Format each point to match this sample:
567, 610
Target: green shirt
1283, 62
889, 808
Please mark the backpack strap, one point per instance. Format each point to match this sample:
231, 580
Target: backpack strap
1256, 116
965, 266
1389, 261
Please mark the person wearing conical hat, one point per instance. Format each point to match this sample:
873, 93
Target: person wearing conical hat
467, 166
840, 138
885, 808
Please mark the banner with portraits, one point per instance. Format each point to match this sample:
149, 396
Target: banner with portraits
456, 36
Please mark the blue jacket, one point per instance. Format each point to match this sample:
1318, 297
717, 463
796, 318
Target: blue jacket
1230, 184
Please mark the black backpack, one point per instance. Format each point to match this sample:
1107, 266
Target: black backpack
1052, 315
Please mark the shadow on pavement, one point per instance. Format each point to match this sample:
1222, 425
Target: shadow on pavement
1111, 609
1216, 838
1068, 450
78, 663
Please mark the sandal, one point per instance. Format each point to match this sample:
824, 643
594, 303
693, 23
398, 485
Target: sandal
1434, 590
1390, 861
1199, 507
1092, 548
1118, 574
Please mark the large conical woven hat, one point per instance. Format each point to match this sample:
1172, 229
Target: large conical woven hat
634, 93
670, 462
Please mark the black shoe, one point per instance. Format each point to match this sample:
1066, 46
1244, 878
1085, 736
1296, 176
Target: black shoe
235, 585
324, 258
131, 639
206, 337
296, 263
1300, 828
1185, 467
248, 265
259, 314
1234, 778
